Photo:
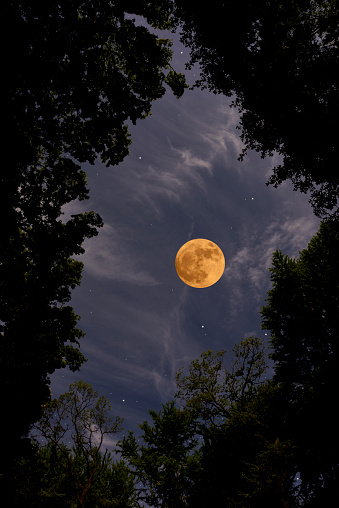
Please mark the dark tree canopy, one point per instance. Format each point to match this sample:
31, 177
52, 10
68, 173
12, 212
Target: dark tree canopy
82, 70
78, 73
210, 389
239, 415
166, 461
226, 445
84, 415
302, 313
279, 59
72, 468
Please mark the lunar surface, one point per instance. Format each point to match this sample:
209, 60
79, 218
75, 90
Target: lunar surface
200, 263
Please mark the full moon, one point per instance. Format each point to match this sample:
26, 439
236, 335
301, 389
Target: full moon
200, 263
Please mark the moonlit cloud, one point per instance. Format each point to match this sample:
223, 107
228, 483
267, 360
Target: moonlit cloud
192, 161
181, 181
247, 270
109, 257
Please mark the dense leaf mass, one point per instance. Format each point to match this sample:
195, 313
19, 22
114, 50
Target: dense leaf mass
71, 468
78, 73
302, 313
82, 70
222, 445
278, 59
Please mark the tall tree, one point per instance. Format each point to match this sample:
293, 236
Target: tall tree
210, 388
79, 72
226, 446
249, 460
277, 57
302, 314
55, 474
166, 462
38, 333
240, 418
82, 416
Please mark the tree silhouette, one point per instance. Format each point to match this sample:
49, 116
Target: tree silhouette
227, 445
278, 59
166, 462
85, 415
302, 314
246, 457
72, 467
79, 73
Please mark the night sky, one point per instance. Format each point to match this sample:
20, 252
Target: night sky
181, 181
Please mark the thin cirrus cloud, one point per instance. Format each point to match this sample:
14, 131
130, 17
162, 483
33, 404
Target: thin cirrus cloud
181, 181
247, 270
108, 256
140, 368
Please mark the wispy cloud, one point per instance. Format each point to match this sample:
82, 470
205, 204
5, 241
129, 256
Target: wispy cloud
247, 270
188, 159
221, 133
181, 180
109, 256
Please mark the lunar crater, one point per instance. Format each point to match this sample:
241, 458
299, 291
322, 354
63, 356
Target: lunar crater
200, 263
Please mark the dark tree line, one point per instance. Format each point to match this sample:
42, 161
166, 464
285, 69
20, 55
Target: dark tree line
77, 73
231, 437
302, 313
279, 59
257, 435
71, 468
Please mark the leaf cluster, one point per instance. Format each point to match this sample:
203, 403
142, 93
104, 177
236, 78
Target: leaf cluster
219, 447
82, 472
210, 389
44, 481
80, 73
167, 460
302, 314
277, 60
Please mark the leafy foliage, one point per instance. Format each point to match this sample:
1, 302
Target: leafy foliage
80, 72
38, 328
44, 481
302, 315
302, 310
210, 389
240, 418
220, 448
167, 461
82, 416
277, 58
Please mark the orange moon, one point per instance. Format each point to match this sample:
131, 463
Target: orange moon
200, 263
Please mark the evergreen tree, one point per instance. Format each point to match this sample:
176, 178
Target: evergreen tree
166, 462
302, 314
